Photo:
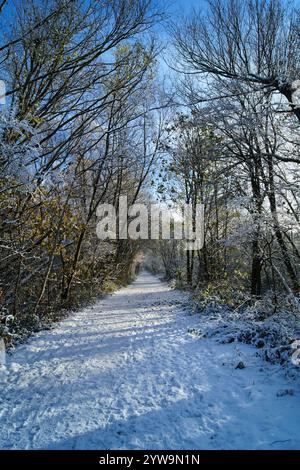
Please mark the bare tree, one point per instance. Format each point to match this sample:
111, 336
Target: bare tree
244, 46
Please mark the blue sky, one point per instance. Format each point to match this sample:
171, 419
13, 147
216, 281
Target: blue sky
185, 5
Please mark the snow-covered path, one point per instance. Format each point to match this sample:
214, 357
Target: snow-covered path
126, 374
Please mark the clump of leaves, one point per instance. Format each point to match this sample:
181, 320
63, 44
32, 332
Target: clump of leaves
220, 293
109, 286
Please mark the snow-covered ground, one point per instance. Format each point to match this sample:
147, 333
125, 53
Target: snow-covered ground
126, 374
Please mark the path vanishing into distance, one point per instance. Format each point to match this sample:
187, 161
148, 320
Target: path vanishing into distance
127, 374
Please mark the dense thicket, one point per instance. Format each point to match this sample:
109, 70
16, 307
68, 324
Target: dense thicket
235, 147
76, 130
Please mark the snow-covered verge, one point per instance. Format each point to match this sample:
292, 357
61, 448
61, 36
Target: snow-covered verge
276, 334
130, 373
17, 329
